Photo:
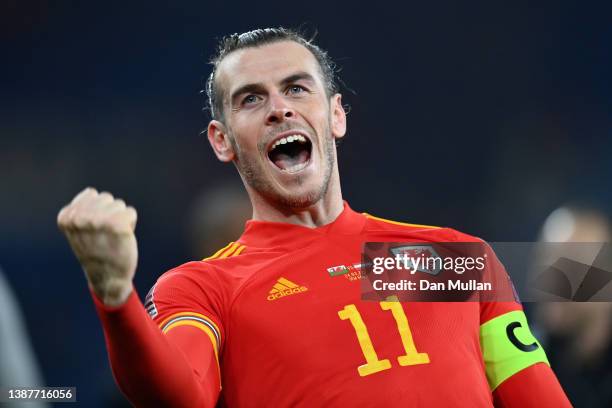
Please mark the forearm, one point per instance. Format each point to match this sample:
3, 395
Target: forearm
151, 370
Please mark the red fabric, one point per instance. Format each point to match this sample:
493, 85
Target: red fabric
534, 387
176, 370
280, 347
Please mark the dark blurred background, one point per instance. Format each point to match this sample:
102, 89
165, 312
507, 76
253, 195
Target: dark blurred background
483, 116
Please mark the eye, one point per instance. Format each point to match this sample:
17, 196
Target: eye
249, 99
295, 89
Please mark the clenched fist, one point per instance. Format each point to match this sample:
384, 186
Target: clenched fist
100, 230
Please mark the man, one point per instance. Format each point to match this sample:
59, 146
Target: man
262, 322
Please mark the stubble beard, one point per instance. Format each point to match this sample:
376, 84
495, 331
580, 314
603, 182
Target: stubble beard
252, 173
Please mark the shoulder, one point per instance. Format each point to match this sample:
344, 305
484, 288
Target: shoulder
226, 268
209, 284
420, 231
194, 287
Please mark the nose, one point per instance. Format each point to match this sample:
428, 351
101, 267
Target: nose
279, 110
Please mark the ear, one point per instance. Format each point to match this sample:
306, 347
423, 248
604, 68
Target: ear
220, 142
338, 117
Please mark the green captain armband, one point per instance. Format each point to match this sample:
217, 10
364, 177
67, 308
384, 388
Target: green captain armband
508, 347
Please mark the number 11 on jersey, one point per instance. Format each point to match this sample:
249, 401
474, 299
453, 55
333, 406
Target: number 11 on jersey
373, 363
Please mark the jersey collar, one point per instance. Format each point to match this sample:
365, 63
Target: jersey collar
280, 235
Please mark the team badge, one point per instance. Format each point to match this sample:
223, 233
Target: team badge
351, 272
411, 253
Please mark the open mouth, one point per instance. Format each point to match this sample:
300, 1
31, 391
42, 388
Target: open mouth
290, 153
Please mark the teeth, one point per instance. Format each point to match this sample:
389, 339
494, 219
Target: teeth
295, 168
289, 139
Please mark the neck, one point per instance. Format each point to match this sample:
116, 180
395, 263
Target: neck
322, 212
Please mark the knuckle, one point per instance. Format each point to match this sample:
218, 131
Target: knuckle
132, 214
85, 220
90, 191
61, 216
119, 203
106, 195
79, 221
86, 192
68, 216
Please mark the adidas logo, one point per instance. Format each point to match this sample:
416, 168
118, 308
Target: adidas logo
284, 287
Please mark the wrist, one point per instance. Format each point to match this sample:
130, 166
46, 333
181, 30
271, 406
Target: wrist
114, 293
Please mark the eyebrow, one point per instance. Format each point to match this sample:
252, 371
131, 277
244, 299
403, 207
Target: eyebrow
256, 87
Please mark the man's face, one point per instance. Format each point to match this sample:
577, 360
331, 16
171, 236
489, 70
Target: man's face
279, 122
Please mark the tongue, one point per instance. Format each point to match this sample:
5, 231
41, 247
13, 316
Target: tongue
285, 161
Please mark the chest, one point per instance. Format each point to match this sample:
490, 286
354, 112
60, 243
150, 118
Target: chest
309, 304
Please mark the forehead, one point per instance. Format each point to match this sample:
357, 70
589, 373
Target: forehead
269, 63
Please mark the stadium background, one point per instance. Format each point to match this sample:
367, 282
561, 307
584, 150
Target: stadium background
483, 116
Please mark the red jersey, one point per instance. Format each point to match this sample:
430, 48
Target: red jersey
289, 330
